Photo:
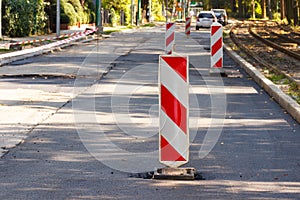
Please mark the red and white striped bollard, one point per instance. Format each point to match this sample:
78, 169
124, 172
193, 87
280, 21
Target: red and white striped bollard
188, 26
174, 110
170, 37
216, 42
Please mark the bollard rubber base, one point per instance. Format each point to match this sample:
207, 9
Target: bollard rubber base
175, 173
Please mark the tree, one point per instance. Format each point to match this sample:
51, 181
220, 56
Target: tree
115, 8
23, 18
157, 10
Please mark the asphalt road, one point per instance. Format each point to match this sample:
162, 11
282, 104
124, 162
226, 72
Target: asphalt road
102, 136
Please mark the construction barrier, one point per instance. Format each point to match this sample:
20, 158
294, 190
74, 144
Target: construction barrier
188, 26
50, 39
174, 110
170, 37
216, 42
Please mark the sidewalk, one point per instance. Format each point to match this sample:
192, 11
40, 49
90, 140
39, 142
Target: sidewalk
19, 97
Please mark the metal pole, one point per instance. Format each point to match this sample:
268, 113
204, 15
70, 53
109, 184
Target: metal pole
35, 19
138, 12
167, 11
99, 16
58, 18
269, 10
132, 12
0, 18
150, 10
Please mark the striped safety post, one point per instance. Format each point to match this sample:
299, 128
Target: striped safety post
216, 42
188, 26
174, 110
170, 37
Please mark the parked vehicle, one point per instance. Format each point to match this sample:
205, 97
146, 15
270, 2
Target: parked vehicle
205, 19
220, 18
223, 14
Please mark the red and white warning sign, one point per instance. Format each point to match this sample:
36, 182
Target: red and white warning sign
216, 42
170, 37
174, 110
188, 26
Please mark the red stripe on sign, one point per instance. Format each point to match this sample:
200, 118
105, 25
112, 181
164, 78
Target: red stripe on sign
219, 63
168, 153
169, 25
170, 39
173, 108
216, 46
214, 29
178, 64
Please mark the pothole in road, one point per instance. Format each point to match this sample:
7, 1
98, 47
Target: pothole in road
149, 175
36, 76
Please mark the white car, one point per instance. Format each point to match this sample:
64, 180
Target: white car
223, 17
205, 19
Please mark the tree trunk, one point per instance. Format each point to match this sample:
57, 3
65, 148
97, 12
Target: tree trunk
282, 9
233, 6
253, 9
263, 8
240, 9
289, 11
82, 2
295, 8
269, 10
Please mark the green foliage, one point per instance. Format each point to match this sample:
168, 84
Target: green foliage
24, 17
294, 91
72, 12
258, 9
80, 16
68, 12
156, 10
89, 11
116, 7
277, 78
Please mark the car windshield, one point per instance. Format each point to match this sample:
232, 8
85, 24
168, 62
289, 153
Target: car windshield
218, 15
219, 11
205, 15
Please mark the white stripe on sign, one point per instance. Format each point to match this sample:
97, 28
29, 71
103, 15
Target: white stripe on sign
169, 48
174, 83
217, 35
218, 55
170, 30
174, 135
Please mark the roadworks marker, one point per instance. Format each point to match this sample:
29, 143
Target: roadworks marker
173, 117
170, 37
188, 26
216, 48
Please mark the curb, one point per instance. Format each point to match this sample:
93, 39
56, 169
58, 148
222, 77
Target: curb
285, 101
36, 51
41, 40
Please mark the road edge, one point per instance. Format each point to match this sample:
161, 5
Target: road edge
285, 101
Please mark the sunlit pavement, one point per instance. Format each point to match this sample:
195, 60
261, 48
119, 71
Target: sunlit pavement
101, 133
